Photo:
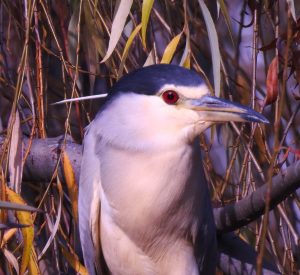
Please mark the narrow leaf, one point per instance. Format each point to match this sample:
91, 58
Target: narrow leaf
170, 49
272, 82
214, 46
150, 59
72, 40
11, 259
71, 184
72, 35
186, 56
224, 11
73, 261
117, 26
92, 31
8, 234
54, 228
146, 10
291, 6
27, 232
127, 47
33, 266
16, 155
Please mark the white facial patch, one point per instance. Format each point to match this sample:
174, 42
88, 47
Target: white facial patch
188, 92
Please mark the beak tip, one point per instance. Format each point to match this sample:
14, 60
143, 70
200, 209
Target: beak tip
255, 117
262, 119
266, 121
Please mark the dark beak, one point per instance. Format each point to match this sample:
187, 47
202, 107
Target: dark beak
215, 109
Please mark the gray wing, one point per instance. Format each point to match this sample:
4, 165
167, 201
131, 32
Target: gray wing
238, 257
89, 206
205, 241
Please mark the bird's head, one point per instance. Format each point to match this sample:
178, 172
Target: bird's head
165, 105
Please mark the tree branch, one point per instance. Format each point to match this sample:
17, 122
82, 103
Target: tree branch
236, 215
44, 153
43, 156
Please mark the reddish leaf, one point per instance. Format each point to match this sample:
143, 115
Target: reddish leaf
294, 151
272, 82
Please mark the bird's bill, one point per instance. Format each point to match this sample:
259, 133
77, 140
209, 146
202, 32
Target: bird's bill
215, 109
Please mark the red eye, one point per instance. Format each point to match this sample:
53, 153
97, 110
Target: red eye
170, 97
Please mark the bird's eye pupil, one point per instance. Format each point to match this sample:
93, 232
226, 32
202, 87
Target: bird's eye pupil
170, 97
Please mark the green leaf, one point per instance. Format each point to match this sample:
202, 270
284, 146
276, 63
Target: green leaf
214, 46
170, 49
146, 10
117, 26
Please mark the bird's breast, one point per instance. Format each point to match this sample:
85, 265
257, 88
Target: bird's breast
152, 208
162, 189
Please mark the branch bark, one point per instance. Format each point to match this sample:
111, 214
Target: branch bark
43, 156
236, 215
44, 153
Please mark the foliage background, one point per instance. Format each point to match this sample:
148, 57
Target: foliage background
247, 51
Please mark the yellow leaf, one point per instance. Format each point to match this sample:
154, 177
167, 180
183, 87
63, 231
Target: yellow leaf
187, 62
170, 49
146, 10
27, 232
127, 46
8, 234
33, 266
73, 261
71, 184
130, 40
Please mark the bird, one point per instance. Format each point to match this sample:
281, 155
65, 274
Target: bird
144, 203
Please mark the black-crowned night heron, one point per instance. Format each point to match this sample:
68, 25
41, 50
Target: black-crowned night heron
144, 206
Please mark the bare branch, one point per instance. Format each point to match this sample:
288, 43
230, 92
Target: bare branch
43, 156
236, 215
